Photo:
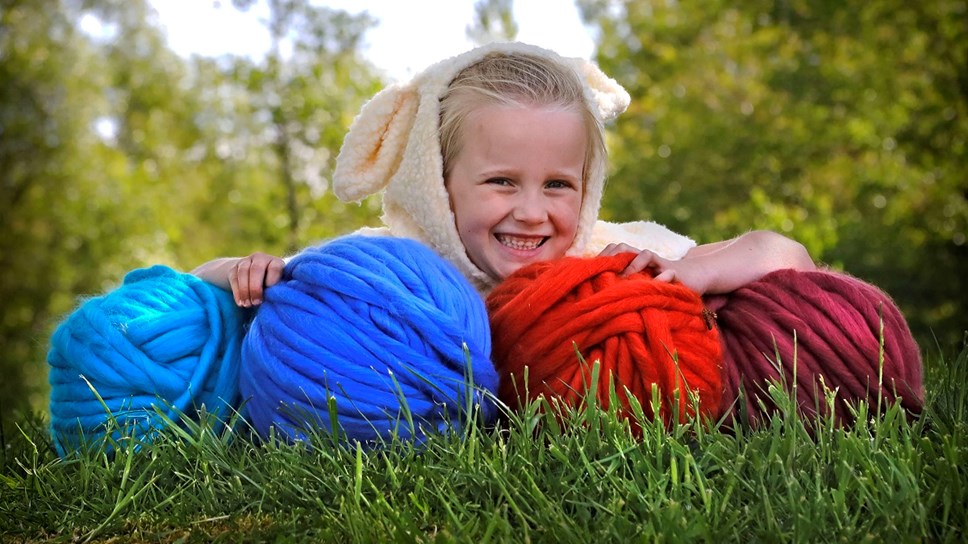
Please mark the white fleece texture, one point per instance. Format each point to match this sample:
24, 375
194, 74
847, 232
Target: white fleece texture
393, 145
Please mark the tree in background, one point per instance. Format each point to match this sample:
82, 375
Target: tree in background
60, 206
303, 96
844, 126
493, 21
116, 154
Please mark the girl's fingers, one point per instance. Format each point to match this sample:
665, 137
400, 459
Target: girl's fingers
645, 259
274, 273
257, 274
615, 249
264, 271
234, 285
240, 274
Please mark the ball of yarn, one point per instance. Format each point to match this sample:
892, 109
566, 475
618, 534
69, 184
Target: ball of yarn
643, 333
163, 340
826, 328
379, 334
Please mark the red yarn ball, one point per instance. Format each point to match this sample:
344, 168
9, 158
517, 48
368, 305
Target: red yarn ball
641, 331
829, 326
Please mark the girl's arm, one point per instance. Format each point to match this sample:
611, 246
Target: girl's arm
246, 277
722, 267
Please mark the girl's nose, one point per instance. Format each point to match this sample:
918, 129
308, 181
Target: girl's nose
530, 208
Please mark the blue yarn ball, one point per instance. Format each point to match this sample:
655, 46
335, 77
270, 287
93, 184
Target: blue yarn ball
162, 340
359, 333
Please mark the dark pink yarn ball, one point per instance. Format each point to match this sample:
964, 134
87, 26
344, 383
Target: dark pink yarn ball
831, 327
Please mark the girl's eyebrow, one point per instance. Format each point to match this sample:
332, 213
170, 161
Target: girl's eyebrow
500, 172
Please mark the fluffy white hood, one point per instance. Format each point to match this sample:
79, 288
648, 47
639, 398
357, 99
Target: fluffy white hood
393, 145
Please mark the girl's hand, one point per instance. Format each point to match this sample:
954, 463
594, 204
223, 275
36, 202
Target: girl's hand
246, 277
250, 276
689, 273
644, 259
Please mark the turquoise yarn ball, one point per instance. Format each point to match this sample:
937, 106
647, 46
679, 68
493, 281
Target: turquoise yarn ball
163, 341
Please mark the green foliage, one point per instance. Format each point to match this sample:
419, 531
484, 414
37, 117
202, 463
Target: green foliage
583, 477
61, 210
301, 100
117, 154
844, 126
493, 21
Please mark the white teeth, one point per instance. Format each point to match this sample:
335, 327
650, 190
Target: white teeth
520, 243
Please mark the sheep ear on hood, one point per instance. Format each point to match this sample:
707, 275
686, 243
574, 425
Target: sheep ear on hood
610, 97
374, 146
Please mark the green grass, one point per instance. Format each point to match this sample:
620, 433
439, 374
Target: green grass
532, 479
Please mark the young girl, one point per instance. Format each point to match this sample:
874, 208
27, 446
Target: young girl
496, 159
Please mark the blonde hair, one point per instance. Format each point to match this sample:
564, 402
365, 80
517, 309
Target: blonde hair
515, 79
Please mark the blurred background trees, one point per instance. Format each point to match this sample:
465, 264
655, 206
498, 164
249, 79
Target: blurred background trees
116, 154
842, 125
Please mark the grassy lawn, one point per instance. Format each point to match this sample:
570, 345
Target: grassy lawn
531, 479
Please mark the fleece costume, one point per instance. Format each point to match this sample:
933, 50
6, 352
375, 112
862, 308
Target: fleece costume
393, 145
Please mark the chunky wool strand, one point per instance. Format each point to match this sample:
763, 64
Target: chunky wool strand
643, 334
815, 332
374, 331
163, 341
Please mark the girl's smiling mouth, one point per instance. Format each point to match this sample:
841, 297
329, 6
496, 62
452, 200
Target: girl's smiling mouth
521, 243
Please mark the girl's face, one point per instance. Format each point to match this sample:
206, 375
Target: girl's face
516, 185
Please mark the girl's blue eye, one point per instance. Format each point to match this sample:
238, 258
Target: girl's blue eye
559, 184
499, 181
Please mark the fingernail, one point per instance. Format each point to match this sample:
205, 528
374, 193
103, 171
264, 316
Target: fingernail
256, 301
